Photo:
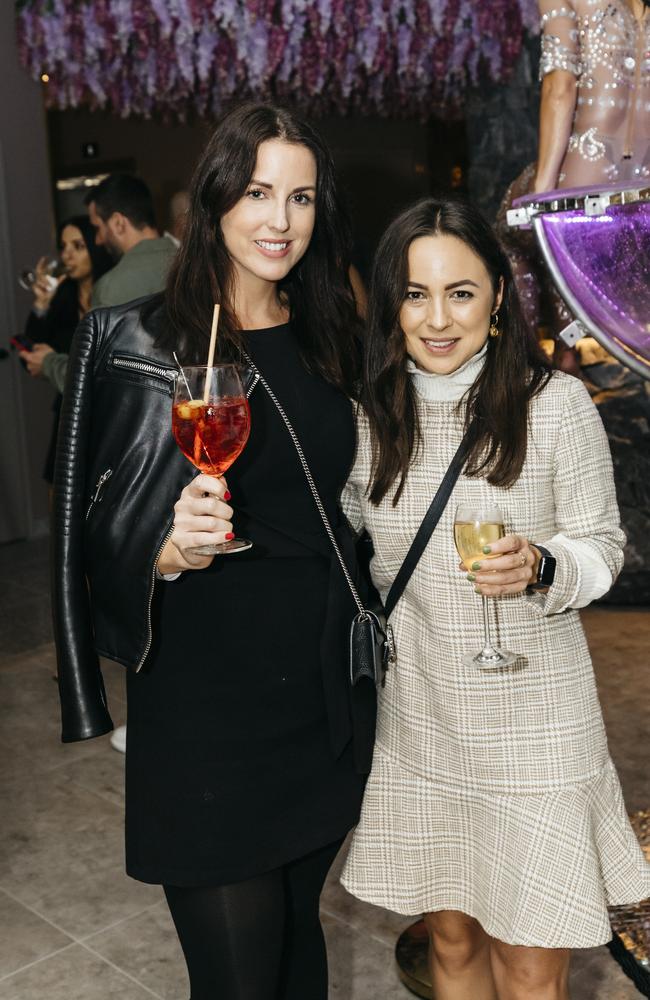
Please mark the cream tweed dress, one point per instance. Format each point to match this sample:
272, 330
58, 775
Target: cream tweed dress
493, 792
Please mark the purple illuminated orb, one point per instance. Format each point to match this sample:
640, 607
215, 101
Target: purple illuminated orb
601, 266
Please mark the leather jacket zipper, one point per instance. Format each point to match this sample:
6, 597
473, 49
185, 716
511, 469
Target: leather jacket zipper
151, 590
99, 486
254, 382
145, 367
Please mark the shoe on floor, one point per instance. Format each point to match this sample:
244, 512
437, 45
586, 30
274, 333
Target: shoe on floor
118, 739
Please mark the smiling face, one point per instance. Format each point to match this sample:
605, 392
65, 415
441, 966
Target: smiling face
74, 254
446, 313
269, 229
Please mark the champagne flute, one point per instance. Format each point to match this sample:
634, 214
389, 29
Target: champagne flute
474, 527
211, 423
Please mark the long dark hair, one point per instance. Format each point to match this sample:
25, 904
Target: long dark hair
63, 312
496, 404
64, 308
317, 290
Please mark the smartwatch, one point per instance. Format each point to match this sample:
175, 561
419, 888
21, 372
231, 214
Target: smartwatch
545, 569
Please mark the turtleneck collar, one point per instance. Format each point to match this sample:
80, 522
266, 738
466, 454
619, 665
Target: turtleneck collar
447, 388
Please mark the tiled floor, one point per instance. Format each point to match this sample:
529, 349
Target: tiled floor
73, 927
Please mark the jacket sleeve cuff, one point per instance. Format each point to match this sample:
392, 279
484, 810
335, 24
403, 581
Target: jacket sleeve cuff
595, 575
169, 577
566, 586
47, 363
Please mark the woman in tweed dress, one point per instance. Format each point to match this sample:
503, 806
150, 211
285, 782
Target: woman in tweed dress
493, 805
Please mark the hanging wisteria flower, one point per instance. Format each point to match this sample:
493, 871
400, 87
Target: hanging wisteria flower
386, 57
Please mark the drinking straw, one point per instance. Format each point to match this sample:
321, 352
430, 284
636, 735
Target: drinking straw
189, 396
211, 349
180, 368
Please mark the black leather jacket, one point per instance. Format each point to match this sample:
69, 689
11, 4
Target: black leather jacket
118, 474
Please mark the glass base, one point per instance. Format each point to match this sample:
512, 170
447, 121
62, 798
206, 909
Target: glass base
223, 548
490, 659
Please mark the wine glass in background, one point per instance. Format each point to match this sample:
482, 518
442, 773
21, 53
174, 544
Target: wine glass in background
49, 268
211, 423
475, 527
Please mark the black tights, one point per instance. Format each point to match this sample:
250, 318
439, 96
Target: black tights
256, 940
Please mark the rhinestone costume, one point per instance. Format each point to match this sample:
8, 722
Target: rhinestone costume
608, 49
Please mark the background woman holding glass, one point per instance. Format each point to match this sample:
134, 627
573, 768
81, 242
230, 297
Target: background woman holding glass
493, 806
59, 304
245, 755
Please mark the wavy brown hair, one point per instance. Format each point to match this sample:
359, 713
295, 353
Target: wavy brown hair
317, 289
496, 405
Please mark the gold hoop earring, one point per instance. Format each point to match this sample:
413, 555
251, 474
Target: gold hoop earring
494, 329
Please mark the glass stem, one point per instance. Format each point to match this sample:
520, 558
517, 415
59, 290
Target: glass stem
488, 648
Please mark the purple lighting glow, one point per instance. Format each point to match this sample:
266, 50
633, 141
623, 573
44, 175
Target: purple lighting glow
601, 265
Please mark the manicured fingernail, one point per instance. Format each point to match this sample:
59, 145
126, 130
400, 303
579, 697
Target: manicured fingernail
487, 549
229, 536
471, 577
477, 589
475, 565
227, 495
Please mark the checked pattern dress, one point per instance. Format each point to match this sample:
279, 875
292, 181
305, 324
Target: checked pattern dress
493, 792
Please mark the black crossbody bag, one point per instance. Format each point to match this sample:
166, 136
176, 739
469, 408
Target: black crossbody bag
372, 643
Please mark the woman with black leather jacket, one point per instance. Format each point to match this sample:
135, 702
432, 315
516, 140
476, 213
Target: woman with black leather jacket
246, 751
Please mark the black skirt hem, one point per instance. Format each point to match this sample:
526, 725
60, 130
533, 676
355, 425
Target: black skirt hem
222, 876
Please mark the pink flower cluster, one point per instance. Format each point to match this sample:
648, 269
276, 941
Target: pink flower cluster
387, 57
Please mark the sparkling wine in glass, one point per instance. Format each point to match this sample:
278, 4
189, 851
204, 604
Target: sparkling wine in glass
475, 527
211, 422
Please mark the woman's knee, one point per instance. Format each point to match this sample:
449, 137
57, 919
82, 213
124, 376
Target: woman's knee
456, 939
531, 971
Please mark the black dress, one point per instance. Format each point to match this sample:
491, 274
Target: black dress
230, 765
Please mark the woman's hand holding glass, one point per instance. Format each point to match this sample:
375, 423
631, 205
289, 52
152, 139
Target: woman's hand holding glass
47, 276
211, 422
496, 564
202, 516
509, 567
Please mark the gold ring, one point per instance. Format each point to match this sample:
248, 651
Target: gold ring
523, 558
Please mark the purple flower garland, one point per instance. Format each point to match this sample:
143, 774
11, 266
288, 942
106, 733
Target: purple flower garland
387, 57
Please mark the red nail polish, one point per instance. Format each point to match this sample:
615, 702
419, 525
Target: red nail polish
227, 495
229, 536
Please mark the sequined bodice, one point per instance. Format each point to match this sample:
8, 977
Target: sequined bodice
608, 49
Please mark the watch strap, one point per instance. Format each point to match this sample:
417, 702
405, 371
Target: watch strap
545, 569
